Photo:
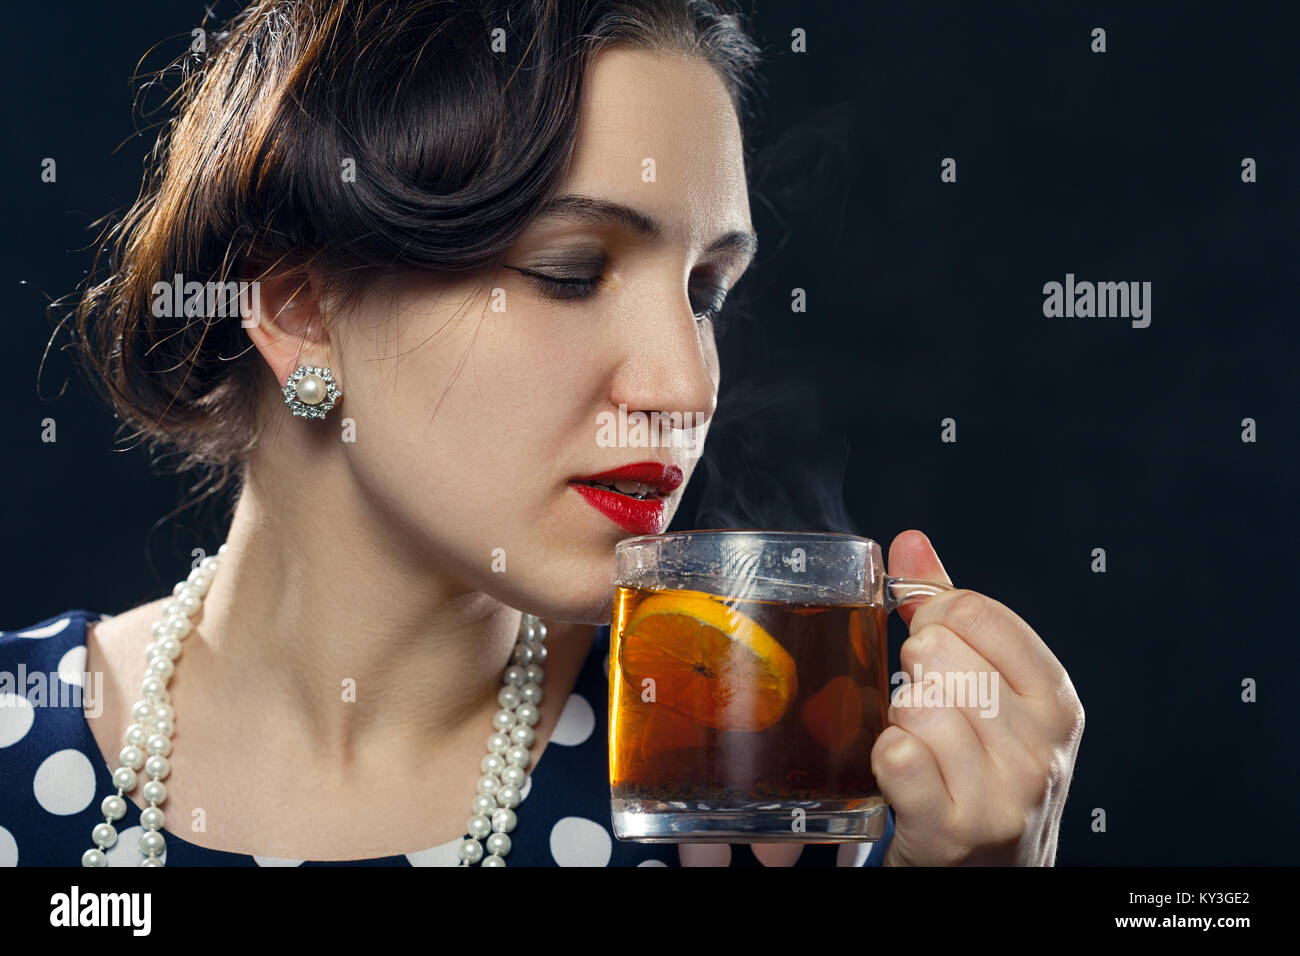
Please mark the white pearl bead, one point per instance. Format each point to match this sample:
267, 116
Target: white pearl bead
509, 797
479, 826
162, 667
503, 719
179, 587
539, 654
492, 763
151, 818
171, 647
163, 711
131, 756
503, 820
142, 711
200, 580
523, 654
310, 389
484, 803
523, 735
515, 676
518, 756
531, 693
151, 861
159, 628
529, 714
113, 807
104, 835
188, 601
158, 744
94, 858
151, 686
514, 777
170, 608
179, 627
151, 841
157, 766
150, 651
488, 783
508, 697
498, 743
136, 735
154, 792
124, 779
471, 851
493, 860
164, 727
222, 549
534, 673
498, 843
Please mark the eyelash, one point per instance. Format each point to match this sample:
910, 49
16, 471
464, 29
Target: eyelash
566, 289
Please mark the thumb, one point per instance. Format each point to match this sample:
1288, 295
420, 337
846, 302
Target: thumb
913, 556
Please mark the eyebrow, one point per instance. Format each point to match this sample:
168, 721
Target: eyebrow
737, 243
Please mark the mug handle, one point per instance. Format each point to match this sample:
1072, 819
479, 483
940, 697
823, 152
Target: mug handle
912, 590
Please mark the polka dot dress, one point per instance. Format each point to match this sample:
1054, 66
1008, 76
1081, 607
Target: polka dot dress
53, 778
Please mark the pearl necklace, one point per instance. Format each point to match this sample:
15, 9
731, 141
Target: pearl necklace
148, 740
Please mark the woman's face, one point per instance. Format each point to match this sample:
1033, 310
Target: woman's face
510, 385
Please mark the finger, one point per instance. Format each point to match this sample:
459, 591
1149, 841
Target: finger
911, 555
961, 757
1000, 636
970, 684
908, 776
777, 854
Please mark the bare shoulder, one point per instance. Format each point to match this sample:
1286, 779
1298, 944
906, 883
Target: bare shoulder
116, 645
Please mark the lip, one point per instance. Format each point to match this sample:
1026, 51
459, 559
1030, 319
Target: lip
635, 516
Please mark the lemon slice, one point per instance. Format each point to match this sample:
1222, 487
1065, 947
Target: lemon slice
709, 662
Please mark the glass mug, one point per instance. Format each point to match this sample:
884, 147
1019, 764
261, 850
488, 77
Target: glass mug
748, 683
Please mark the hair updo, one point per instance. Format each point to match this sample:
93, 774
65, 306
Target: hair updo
460, 117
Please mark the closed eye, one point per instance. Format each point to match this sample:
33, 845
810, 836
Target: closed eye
566, 288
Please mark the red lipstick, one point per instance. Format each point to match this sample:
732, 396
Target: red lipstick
632, 496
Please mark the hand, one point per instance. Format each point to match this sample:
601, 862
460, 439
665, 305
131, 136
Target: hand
967, 789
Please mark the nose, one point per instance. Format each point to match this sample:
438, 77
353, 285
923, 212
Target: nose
669, 363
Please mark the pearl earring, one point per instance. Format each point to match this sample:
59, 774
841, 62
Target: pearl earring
310, 391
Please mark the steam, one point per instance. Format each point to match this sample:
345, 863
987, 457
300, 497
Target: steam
768, 464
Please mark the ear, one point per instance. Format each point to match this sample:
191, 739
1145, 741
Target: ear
286, 326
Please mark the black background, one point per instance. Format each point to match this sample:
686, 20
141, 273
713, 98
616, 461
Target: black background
924, 303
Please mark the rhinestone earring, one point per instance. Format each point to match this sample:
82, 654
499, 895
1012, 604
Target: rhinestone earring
311, 392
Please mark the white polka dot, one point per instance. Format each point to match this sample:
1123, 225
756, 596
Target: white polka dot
8, 848
577, 841
652, 863
275, 861
65, 783
853, 854
126, 851
444, 855
704, 854
16, 718
576, 722
72, 665
49, 630
777, 854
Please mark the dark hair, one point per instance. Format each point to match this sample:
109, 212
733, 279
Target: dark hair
456, 147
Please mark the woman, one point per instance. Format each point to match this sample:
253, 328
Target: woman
475, 228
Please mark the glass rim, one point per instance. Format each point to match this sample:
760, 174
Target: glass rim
775, 533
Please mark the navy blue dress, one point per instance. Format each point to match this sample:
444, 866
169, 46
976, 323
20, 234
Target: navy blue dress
53, 779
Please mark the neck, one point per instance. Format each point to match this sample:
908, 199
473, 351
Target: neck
330, 625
